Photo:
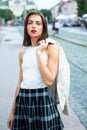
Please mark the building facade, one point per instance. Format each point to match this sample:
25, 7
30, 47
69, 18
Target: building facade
65, 8
17, 6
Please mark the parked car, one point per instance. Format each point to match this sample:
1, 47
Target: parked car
76, 23
16, 24
72, 23
10, 22
67, 23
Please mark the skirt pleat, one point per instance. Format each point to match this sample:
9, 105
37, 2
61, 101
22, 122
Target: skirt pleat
35, 110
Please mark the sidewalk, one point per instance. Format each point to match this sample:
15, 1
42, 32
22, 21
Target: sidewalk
76, 35
12, 37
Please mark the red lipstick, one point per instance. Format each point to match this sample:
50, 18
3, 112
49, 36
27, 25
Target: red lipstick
33, 31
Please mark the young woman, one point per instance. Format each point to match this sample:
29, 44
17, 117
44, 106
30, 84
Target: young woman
33, 107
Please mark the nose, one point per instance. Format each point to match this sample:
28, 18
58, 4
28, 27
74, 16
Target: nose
34, 24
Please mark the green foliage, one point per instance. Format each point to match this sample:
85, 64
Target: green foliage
6, 14
82, 7
30, 10
85, 8
46, 13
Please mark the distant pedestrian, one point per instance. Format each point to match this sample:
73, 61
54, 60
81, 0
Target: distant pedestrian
0, 25
33, 108
53, 27
57, 26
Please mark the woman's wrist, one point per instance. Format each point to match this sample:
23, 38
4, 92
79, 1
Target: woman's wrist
38, 52
12, 111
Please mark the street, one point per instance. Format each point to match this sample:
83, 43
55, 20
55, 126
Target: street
8, 81
77, 56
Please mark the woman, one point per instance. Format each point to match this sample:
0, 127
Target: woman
33, 108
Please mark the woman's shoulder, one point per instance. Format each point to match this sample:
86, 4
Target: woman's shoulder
53, 45
53, 42
22, 51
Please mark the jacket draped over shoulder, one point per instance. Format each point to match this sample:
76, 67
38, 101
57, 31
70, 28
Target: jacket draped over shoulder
59, 91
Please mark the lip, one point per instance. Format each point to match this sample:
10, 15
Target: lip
33, 31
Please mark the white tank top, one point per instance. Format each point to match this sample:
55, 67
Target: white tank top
31, 75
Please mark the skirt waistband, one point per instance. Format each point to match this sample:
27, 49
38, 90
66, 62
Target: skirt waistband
33, 92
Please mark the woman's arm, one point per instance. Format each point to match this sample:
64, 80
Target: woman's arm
19, 81
10, 119
49, 71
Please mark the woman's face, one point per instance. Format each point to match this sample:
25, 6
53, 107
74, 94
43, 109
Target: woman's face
34, 26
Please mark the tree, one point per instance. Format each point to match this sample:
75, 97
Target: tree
6, 14
46, 13
82, 7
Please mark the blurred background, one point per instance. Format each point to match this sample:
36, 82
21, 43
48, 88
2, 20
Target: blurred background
68, 12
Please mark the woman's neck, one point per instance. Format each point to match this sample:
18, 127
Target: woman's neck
34, 42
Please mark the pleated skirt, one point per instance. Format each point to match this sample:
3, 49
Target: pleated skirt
35, 110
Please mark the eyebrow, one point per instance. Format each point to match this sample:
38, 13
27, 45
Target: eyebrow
35, 21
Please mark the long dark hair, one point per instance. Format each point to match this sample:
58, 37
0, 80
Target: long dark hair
44, 35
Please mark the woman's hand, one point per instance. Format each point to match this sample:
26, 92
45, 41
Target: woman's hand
10, 121
42, 46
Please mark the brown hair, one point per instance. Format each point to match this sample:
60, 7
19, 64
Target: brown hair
44, 35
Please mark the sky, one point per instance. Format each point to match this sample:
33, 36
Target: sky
45, 4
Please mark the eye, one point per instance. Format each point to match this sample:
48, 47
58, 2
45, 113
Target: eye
38, 23
29, 22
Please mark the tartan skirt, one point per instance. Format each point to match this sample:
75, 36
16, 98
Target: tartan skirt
35, 110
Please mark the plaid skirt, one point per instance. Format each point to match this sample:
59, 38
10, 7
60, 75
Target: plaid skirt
35, 110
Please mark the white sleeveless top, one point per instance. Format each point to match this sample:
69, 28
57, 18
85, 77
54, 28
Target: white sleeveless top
31, 75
